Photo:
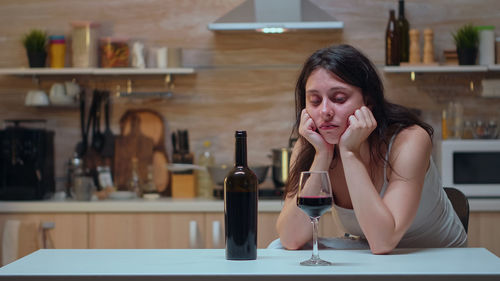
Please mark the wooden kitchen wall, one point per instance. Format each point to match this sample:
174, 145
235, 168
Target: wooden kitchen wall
242, 80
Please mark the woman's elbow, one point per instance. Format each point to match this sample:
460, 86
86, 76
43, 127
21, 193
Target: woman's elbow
382, 248
290, 243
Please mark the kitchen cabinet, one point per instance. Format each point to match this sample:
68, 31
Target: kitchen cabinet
484, 231
142, 231
168, 231
69, 231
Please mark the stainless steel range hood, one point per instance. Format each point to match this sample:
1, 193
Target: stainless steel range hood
275, 16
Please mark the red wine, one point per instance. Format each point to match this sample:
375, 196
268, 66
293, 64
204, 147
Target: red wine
240, 206
314, 206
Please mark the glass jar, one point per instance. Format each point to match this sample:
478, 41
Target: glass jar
57, 51
113, 52
84, 43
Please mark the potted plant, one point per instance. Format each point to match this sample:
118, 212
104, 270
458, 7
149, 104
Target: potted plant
35, 43
467, 41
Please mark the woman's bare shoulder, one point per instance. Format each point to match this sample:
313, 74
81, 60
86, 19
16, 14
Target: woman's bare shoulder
413, 141
414, 135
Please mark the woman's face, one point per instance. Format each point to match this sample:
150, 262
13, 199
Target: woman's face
329, 102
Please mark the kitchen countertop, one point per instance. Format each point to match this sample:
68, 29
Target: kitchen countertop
169, 205
271, 264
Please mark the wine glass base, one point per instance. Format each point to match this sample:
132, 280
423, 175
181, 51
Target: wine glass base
316, 262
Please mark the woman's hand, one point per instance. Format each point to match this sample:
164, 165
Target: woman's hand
308, 130
360, 125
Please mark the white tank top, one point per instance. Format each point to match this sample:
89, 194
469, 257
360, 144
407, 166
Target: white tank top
435, 225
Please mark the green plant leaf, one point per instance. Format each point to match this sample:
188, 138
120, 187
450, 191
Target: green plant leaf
35, 40
466, 37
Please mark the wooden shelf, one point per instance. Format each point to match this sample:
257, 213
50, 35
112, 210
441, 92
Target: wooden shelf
94, 71
436, 69
494, 67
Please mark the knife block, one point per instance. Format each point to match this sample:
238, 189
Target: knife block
183, 186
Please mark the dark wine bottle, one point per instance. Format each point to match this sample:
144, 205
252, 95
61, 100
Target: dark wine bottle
392, 41
404, 38
240, 206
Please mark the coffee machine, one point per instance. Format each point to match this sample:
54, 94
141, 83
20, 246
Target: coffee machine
26, 162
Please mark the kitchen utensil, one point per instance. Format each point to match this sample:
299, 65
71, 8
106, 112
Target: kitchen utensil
36, 98
98, 137
153, 125
176, 156
179, 167
83, 188
122, 195
81, 147
72, 89
108, 147
281, 163
57, 95
135, 144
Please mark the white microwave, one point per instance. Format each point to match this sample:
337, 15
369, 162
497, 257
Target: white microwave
472, 166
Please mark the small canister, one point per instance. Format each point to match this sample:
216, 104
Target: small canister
113, 52
497, 44
486, 44
57, 51
84, 43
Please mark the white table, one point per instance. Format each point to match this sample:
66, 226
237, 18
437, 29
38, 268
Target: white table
402, 264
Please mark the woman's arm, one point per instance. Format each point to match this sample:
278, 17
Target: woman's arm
384, 221
293, 225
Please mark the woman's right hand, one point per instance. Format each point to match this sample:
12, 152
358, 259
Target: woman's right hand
308, 130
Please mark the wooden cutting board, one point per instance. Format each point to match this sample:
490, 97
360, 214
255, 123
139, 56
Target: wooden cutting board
134, 144
152, 125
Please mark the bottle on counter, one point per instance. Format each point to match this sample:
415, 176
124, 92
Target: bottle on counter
240, 206
134, 184
404, 29
392, 39
149, 190
205, 159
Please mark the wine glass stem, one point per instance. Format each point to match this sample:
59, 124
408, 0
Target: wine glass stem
315, 253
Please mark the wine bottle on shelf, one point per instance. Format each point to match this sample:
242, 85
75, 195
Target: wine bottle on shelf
240, 206
404, 28
392, 41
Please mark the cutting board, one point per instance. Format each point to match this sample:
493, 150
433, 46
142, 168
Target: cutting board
134, 144
153, 125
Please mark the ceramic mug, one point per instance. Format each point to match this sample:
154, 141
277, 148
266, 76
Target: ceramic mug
72, 89
58, 94
36, 98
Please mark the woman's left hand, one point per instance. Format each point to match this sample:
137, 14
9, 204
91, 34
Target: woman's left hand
360, 125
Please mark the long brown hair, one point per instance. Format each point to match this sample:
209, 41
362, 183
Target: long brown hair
356, 69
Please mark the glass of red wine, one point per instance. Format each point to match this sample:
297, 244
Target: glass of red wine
315, 198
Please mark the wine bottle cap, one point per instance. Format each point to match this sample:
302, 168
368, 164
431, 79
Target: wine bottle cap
240, 134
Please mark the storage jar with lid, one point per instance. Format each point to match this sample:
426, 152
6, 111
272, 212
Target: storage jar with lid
113, 52
57, 51
486, 44
84, 43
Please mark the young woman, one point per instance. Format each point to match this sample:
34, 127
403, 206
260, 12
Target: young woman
385, 185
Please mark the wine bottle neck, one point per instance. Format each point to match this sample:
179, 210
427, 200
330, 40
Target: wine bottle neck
241, 151
401, 9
